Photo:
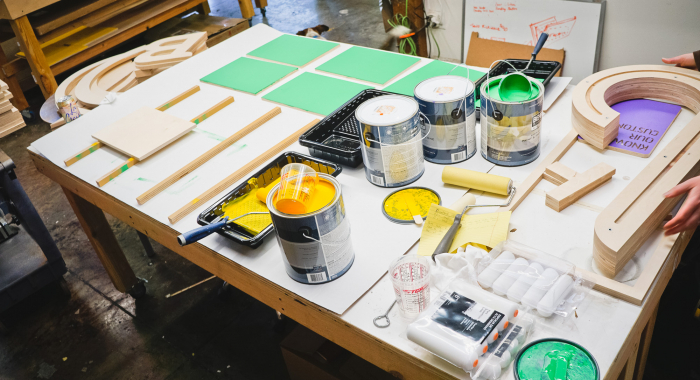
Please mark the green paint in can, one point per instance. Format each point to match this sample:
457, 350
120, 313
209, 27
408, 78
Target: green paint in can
555, 359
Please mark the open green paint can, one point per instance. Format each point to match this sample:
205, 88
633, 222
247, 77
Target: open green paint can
555, 359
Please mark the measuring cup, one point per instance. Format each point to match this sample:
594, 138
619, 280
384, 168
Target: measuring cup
297, 187
410, 276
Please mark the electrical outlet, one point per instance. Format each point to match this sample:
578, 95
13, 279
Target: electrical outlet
436, 18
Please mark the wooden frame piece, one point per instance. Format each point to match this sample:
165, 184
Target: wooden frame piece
558, 173
583, 183
208, 155
238, 174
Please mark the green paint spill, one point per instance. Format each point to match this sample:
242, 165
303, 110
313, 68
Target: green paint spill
235, 148
183, 187
209, 134
556, 360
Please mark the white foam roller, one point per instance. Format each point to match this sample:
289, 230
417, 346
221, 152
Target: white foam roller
488, 371
524, 282
533, 295
430, 337
556, 293
505, 359
509, 276
493, 270
500, 304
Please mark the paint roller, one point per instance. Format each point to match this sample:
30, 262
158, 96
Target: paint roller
474, 180
200, 233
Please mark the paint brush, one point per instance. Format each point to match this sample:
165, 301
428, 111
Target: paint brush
200, 233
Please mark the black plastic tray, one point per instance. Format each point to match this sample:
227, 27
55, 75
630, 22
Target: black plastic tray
336, 138
265, 176
538, 70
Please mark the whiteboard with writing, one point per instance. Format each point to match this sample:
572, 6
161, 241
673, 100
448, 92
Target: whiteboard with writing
571, 25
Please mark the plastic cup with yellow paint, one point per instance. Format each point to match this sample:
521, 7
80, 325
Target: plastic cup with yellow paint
297, 188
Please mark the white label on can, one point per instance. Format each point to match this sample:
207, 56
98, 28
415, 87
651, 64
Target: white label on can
374, 158
444, 137
337, 247
536, 121
403, 162
303, 255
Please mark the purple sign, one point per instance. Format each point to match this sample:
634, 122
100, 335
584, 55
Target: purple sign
643, 123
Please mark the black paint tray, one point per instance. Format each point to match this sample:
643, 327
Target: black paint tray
336, 138
265, 176
544, 70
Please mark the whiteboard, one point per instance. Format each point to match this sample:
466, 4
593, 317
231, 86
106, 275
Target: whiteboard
571, 25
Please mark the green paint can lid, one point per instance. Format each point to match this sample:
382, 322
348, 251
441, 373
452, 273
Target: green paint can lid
555, 359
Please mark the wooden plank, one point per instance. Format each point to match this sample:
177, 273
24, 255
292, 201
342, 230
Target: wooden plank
19, 101
84, 152
631, 362
524, 189
178, 98
238, 174
401, 364
645, 344
247, 10
558, 173
35, 56
213, 110
102, 239
566, 194
11, 127
13, 9
124, 166
65, 14
199, 161
143, 132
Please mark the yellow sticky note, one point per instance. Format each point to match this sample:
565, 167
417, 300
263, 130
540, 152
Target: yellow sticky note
483, 229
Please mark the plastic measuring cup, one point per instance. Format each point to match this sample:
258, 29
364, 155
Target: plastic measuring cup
410, 276
297, 187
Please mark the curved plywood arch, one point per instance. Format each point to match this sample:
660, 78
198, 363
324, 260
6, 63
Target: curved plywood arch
624, 225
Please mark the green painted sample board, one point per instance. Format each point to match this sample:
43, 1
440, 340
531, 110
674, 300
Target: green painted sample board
315, 93
249, 75
406, 84
293, 50
370, 65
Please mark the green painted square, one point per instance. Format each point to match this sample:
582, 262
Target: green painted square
370, 65
249, 75
407, 84
315, 93
293, 50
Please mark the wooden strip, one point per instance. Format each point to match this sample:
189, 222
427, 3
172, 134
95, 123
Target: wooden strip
524, 189
199, 161
645, 343
68, 13
178, 99
80, 155
35, 56
558, 173
238, 174
566, 194
213, 110
115, 173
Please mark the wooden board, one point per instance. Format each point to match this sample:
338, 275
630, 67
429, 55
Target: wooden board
577, 186
169, 51
558, 173
67, 87
65, 13
11, 127
143, 132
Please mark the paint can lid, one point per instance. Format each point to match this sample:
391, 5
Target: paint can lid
386, 110
445, 88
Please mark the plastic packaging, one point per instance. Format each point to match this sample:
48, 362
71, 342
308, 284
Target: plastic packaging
460, 324
297, 186
547, 284
410, 276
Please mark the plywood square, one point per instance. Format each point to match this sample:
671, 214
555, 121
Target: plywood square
370, 65
249, 75
407, 84
293, 50
143, 132
315, 93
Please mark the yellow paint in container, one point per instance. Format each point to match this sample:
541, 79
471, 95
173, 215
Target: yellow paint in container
323, 195
249, 203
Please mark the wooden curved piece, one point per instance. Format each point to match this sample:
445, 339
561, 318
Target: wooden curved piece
624, 225
598, 124
68, 85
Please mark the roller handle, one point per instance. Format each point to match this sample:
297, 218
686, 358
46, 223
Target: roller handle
200, 233
446, 241
539, 45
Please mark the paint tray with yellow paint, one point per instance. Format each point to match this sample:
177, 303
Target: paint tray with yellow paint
252, 229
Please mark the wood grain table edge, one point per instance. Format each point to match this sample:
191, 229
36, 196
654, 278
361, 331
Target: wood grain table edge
324, 322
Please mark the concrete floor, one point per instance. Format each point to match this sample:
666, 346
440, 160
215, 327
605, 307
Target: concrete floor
99, 333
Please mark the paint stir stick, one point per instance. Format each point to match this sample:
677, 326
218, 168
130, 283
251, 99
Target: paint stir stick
199, 161
238, 174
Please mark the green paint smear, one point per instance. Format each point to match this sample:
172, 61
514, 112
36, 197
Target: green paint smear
145, 180
183, 187
541, 362
209, 134
236, 148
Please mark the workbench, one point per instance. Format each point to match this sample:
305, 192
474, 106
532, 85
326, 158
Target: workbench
616, 332
136, 21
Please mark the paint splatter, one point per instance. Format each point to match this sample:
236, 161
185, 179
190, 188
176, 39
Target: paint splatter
209, 134
145, 180
235, 148
183, 187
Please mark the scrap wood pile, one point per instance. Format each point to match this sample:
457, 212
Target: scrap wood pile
117, 74
10, 118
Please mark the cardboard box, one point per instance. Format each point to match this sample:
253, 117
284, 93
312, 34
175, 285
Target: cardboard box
309, 356
218, 28
483, 52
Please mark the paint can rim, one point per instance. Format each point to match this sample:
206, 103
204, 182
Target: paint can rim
470, 86
324, 176
367, 102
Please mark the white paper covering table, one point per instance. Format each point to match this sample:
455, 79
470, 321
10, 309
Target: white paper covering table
342, 310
